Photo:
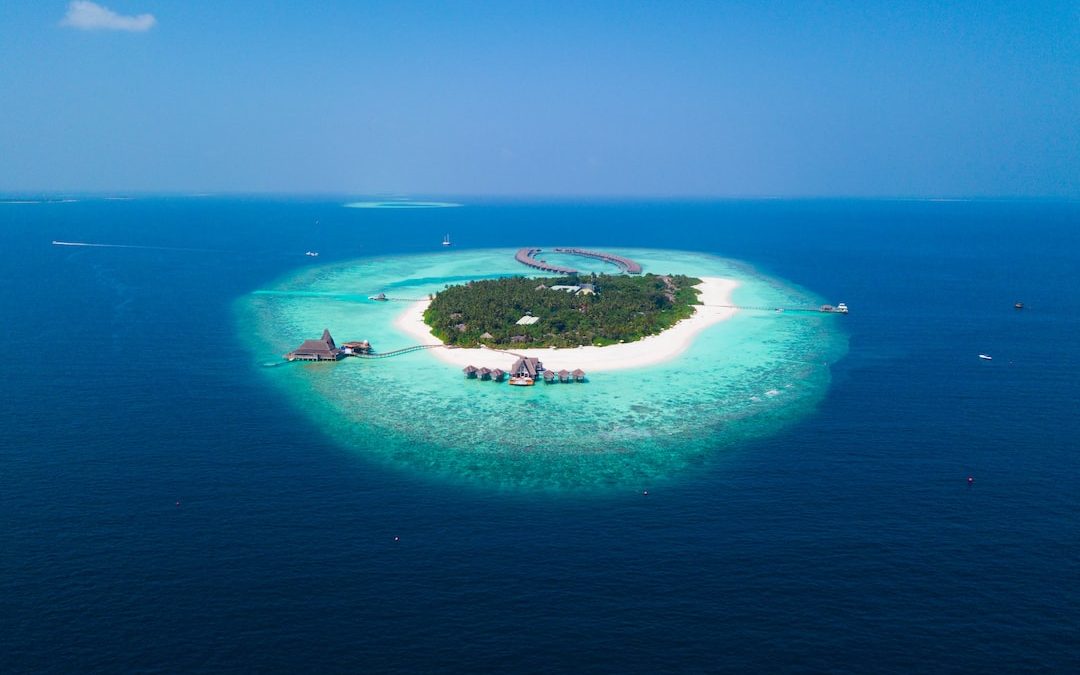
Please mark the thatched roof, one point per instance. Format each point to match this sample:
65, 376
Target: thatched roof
526, 365
323, 347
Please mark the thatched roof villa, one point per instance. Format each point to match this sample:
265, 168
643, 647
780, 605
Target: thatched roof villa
322, 349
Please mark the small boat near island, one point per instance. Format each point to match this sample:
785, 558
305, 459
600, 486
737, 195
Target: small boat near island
446, 240
986, 357
312, 254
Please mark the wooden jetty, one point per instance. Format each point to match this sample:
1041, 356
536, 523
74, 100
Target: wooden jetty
396, 352
840, 308
527, 256
625, 264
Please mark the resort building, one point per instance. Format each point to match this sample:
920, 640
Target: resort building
358, 347
526, 366
322, 349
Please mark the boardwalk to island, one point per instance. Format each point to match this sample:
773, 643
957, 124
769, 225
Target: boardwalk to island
527, 256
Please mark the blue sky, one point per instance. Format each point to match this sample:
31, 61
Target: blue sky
727, 99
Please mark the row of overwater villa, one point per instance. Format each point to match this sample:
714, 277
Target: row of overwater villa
525, 372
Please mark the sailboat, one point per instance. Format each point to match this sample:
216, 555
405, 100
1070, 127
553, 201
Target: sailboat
446, 240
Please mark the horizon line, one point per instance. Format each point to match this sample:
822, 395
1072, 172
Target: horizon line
120, 195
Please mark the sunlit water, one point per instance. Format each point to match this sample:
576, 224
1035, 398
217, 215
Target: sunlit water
746, 377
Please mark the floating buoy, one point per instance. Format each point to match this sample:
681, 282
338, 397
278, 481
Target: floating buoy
971, 479
396, 539
646, 493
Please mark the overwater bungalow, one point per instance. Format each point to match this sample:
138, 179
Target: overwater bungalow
564, 375
549, 377
526, 366
322, 349
497, 374
579, 375
470, 371
484, 373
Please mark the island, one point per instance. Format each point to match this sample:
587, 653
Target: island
569, 311
714, 306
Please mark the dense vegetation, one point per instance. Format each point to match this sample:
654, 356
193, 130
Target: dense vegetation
622, 309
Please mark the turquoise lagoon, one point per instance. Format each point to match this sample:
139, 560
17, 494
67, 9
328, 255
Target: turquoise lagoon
744, 378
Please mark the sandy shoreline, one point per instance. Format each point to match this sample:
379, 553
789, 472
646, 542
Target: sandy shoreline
649, 351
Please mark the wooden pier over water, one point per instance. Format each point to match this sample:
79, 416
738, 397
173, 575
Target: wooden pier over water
840, 308
527, 256
396, 352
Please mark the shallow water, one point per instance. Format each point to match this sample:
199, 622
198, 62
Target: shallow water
746, 377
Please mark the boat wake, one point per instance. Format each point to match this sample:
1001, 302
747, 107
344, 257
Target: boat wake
136, 246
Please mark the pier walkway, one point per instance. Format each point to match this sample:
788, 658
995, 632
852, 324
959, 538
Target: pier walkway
815, 310
527, 256
625, 264
396, 352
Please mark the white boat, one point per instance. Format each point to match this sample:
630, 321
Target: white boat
842, 308
986, 357
446, 240
312, 254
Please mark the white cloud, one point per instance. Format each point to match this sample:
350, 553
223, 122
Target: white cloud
86, 15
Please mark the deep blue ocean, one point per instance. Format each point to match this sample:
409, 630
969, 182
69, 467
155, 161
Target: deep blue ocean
163, 509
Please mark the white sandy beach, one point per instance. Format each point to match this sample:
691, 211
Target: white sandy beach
649, 351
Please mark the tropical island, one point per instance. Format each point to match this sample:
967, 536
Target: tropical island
566, 311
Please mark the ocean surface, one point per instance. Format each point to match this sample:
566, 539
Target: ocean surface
168, 503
